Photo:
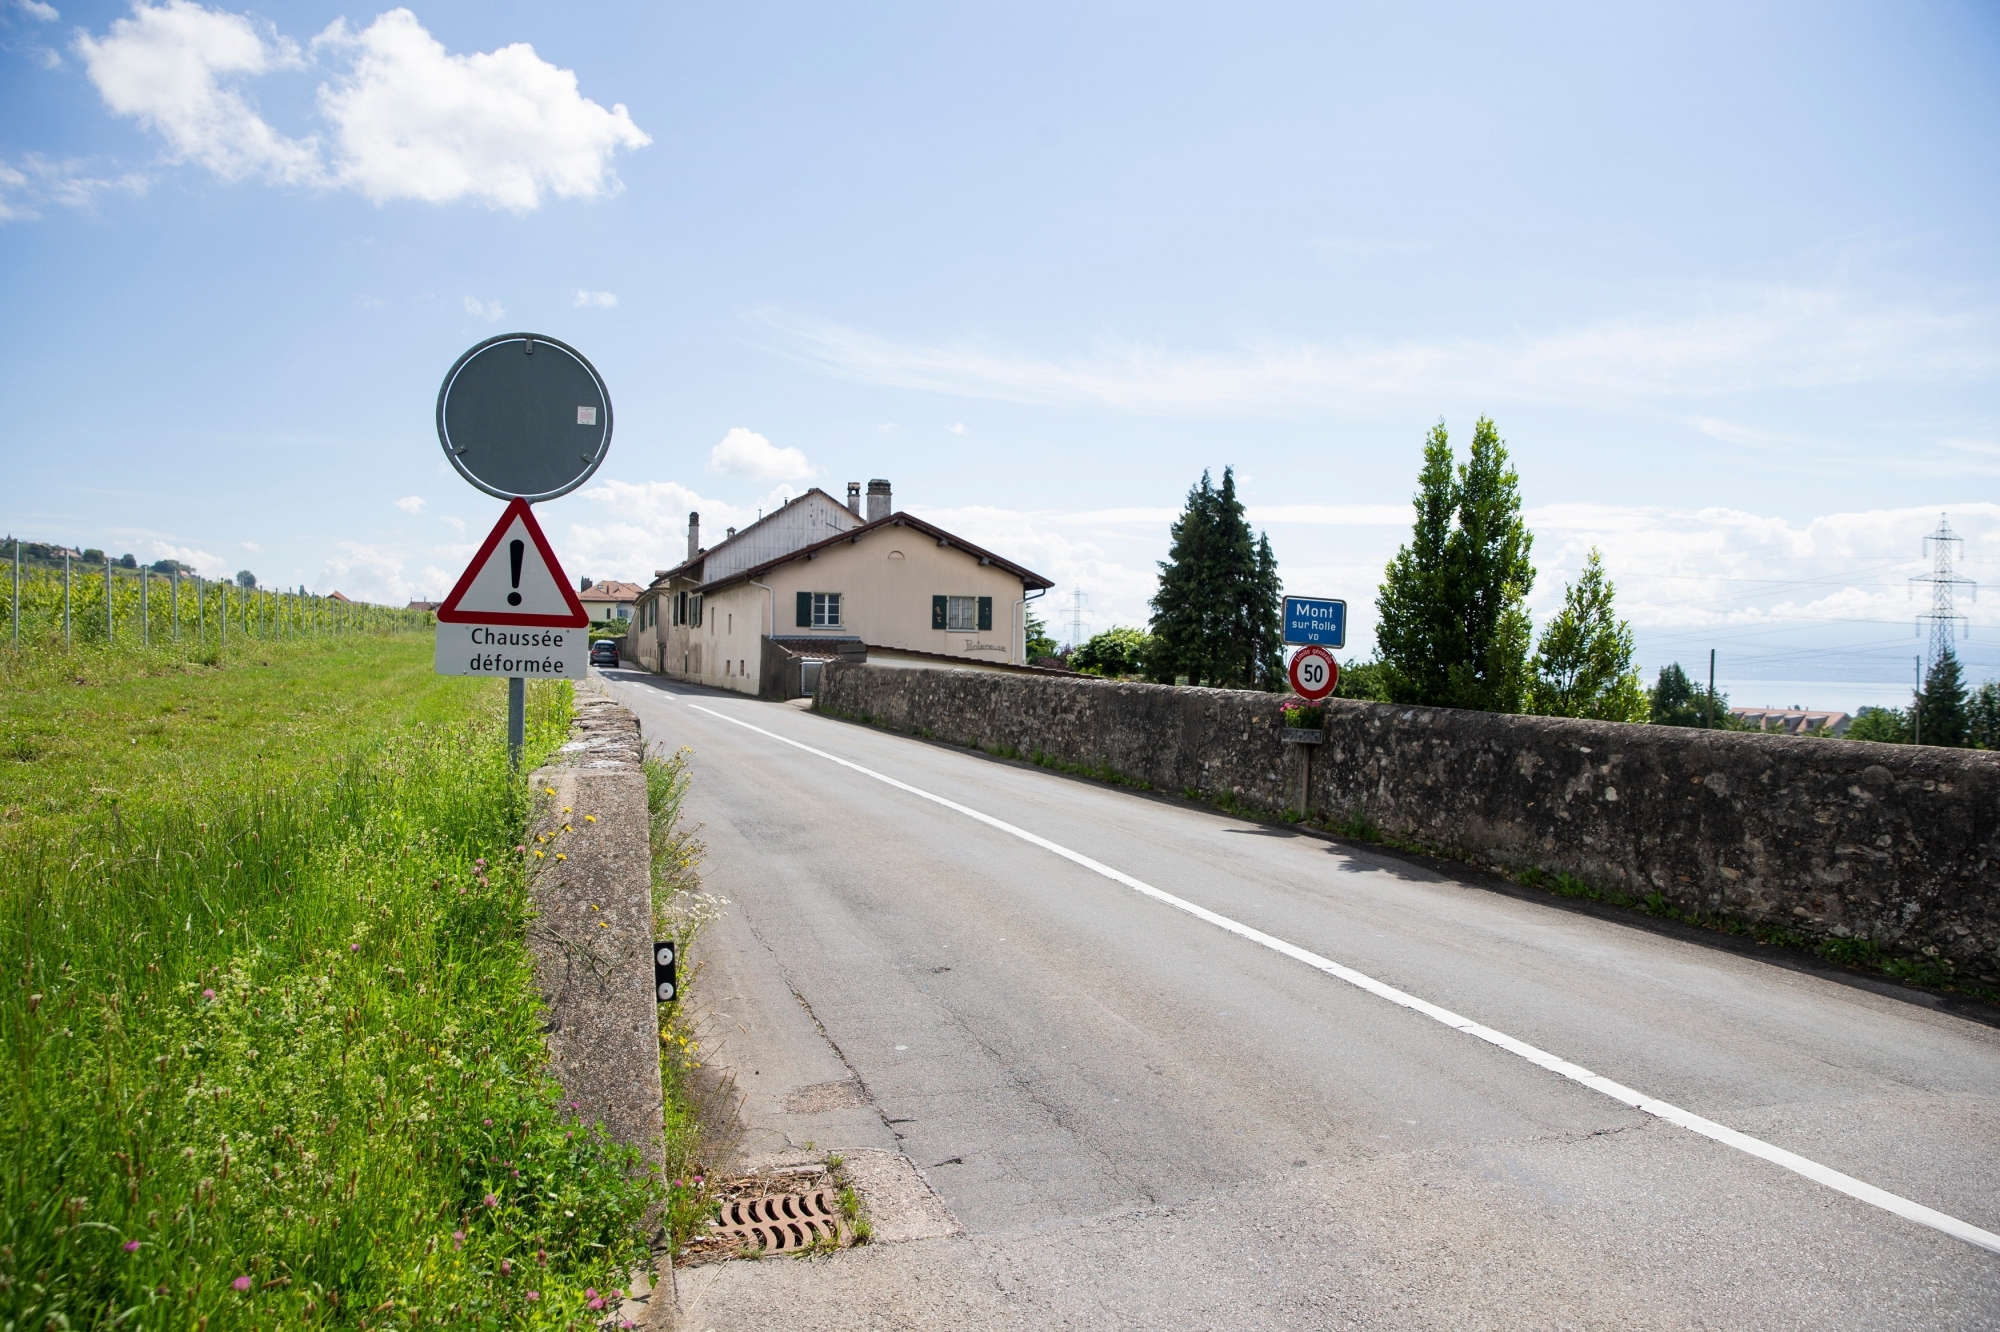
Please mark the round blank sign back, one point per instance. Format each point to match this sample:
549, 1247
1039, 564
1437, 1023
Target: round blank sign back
524, 415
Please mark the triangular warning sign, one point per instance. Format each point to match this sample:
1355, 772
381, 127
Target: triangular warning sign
514, 579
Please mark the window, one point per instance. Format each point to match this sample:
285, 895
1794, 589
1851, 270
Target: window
962, 614
826, 610
694, 608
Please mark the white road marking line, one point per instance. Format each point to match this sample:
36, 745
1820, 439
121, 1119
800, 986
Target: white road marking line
1673, 1114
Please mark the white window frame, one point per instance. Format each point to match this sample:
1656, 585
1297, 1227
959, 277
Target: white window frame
826, 610
961, 615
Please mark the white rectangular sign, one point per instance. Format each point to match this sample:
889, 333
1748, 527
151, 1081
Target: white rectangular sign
508, 650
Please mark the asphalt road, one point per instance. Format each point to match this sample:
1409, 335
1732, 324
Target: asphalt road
1137, 1118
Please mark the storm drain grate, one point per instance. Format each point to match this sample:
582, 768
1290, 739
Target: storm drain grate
782, 1222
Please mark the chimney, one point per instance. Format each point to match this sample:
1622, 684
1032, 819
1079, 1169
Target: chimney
694, 535
728, 533
585, 587
878, 500
854, 498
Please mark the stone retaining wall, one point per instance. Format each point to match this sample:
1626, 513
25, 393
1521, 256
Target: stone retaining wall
592, 935
1831, 838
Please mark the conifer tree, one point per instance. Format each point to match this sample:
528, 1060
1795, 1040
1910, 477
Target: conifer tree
1452, 629
1943, 714
1266, 620
1216, 615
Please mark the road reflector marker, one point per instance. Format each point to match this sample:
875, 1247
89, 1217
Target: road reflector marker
665, 975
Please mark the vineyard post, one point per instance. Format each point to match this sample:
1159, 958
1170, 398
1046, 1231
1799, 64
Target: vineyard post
65, 598
145, 623
17, 592
200, 612
110, 636
174, 600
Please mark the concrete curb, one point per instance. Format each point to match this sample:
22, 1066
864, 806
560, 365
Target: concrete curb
592, 934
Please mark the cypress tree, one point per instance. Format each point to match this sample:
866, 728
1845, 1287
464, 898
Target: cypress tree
1452, 629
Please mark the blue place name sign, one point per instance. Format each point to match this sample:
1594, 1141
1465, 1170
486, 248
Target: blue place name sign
1316, 620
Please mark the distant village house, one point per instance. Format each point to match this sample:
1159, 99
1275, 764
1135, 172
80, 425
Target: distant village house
609, 600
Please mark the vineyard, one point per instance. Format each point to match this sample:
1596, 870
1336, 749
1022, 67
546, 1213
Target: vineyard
65, 604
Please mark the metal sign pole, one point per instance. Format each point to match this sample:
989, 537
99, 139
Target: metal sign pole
517, 719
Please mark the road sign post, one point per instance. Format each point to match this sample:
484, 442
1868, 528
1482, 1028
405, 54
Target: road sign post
525, 418
1315, 674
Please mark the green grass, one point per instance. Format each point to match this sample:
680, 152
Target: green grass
271, 1023
700, 1109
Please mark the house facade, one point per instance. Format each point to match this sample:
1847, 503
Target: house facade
819, 580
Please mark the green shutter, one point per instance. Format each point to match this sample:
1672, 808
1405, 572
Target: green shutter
937, 612
985, 614
805, 610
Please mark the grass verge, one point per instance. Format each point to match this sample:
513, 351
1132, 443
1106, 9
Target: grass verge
700, 1108
273, 1041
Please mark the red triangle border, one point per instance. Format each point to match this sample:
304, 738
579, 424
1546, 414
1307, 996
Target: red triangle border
449, 613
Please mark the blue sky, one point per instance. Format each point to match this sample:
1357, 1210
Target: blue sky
1724, 276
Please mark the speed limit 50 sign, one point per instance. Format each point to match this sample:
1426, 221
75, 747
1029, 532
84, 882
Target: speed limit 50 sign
1315, 673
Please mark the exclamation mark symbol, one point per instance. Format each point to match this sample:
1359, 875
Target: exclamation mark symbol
515, 549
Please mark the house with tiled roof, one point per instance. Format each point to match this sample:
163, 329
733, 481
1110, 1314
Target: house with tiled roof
818, 580
609, 599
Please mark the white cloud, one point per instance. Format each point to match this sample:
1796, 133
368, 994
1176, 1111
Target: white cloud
411, 504
409, 119
457, 524
746, 453
1115, 585
601, 299
202, 562
413, 121
650, 528
488, 310
35, 9
36, 182
1739, 340
370, 573
167, 65
956, 427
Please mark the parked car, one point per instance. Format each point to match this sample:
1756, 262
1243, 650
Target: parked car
604, 652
